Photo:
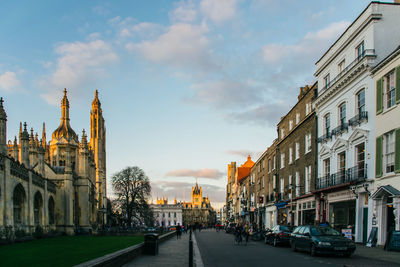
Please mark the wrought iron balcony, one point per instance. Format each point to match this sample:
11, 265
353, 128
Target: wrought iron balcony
324, 137
351, 175
357, 119
340, 129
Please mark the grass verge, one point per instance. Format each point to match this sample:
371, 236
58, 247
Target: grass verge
63, 251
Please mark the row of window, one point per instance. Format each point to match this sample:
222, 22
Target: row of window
164, 215
307, 149
297, 121
342, 160
360, 109
359, 53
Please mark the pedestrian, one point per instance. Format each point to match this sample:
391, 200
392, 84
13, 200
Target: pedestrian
178, 231
247, 232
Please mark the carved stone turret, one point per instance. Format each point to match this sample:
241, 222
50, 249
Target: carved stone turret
3, 128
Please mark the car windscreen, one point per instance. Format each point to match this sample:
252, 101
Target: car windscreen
323, 231
285, 228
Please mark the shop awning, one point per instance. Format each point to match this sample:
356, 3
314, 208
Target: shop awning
281, 205
386, 190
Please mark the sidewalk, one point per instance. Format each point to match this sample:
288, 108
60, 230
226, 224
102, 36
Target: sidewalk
378, 253
171, 253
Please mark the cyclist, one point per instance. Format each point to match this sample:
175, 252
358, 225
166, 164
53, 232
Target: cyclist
238, 233
246, 232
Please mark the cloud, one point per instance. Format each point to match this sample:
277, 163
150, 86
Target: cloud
244, 153
219, 11
78, 64
183, 12
182, 45
9, 81
143, 30
202, 173
226, 93
181, 190
311, 45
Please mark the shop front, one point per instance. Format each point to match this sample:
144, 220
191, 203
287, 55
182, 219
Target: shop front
342, 211
283, 212
270, 217
306, 211
386, 207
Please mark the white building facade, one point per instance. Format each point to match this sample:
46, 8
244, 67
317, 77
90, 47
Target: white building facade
386, 196
345, 107
167, 215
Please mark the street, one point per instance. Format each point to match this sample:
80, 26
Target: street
218, 249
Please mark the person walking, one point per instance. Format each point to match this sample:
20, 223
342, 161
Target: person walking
247, 232
178, 231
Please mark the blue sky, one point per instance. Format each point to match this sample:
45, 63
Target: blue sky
186, 86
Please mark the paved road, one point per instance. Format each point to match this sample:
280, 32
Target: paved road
217, 249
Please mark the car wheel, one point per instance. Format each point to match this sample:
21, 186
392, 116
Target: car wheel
293, 246
348, 255
312, 251
275, 242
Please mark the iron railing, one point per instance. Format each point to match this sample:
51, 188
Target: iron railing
340, 129
366, 53
351, 175
357, 119
324, 137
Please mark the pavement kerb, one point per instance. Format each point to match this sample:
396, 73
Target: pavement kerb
120, 257
198, 262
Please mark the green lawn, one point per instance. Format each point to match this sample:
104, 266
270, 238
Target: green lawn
63, 251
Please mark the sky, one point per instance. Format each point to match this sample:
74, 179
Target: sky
186, 86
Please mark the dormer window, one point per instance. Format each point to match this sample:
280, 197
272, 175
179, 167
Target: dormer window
282, 132
327, 81
360, 50
290, 125
341, 66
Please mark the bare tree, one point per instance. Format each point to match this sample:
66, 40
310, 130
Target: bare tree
132, 187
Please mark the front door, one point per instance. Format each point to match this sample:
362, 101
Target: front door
365, 225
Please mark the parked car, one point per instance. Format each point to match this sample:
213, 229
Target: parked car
172, 228
279, 234
230, 228
321, 239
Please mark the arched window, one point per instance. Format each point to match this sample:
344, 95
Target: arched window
19, 199
51, 210
37, 208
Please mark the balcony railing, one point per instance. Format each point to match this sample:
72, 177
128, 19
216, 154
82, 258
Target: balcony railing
351, 175
357, 119
366, 53
324, 137
340, 129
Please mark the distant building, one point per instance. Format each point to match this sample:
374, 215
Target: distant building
167, 214
58, 185
198, 211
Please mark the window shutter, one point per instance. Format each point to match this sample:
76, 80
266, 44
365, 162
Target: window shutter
397, 151
379, 97
378, 159
398, 84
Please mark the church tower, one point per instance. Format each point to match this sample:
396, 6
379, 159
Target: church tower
3, 129
98, 146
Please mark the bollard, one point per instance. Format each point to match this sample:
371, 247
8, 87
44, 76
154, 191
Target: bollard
190, 249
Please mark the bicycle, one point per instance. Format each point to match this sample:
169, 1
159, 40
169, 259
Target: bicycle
238, 238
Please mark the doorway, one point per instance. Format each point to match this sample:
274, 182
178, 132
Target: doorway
365, 225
